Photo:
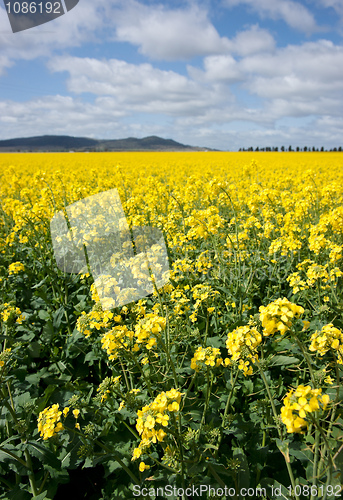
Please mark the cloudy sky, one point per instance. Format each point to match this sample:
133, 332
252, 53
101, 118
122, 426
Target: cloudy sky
217, 73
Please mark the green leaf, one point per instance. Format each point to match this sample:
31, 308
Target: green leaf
41, 496
44, 454
44, 315
300, 451
284, 360
18, 493
34, 349
195, 414
57, 319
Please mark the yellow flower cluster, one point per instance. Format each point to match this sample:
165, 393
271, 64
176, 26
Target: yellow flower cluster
242, 344
205, 357
9, 313
148, 330
95, 319
203, 223
146, 333
328, 338
310, 273
300, 402
16, 268
49, 421
278, 316
180, 301
154, 418
118, 338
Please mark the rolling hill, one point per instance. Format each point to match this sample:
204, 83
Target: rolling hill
68, 143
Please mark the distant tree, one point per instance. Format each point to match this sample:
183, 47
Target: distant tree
282, 148
340, 148
257, 149
290, 148
322, 148
297, 149
276, 149
313, 148
335, 149
305, 148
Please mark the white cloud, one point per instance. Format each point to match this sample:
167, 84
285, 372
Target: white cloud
140, 87
295, 81
252, 41
164, 33
293, 13
307, 71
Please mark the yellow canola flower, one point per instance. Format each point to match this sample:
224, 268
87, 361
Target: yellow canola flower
153, 418
76, 413
206, 357
298, 404
242, 344
49, 421
143, 467
329, 338
16, 268
278, 316
9, 313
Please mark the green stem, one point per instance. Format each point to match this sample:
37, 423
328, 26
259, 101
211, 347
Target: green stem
216, 477
125, 377
206, 331
208, 395
308, 360
31, 473
190, 387
179, 443
147, 381
227, 406
43, 482
315, 463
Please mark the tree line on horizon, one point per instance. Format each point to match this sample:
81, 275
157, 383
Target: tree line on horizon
297, 149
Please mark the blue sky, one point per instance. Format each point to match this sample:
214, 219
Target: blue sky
223, 74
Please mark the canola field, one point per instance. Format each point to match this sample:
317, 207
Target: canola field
223, 380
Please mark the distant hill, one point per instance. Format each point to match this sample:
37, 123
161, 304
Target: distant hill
67, 143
